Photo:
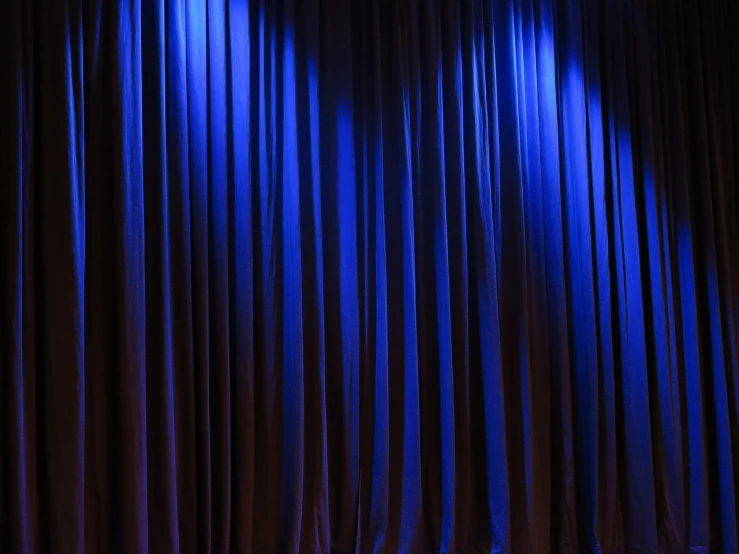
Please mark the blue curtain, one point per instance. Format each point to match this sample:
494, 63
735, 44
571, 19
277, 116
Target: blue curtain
369, 276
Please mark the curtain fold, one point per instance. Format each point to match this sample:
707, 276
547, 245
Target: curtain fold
368, 276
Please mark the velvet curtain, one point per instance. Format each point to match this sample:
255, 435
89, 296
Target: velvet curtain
369, 276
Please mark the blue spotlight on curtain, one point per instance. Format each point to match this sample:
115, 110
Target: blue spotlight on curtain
329, 276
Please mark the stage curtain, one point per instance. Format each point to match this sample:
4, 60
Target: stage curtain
354, 276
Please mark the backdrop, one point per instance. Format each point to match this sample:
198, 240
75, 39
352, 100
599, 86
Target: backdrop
369, 276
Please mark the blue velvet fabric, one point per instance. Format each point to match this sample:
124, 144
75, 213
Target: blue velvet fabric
290, 276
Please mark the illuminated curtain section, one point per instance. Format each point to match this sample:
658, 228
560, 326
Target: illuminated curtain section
367, 276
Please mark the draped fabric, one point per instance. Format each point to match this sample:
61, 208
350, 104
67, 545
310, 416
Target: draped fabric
369, 276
